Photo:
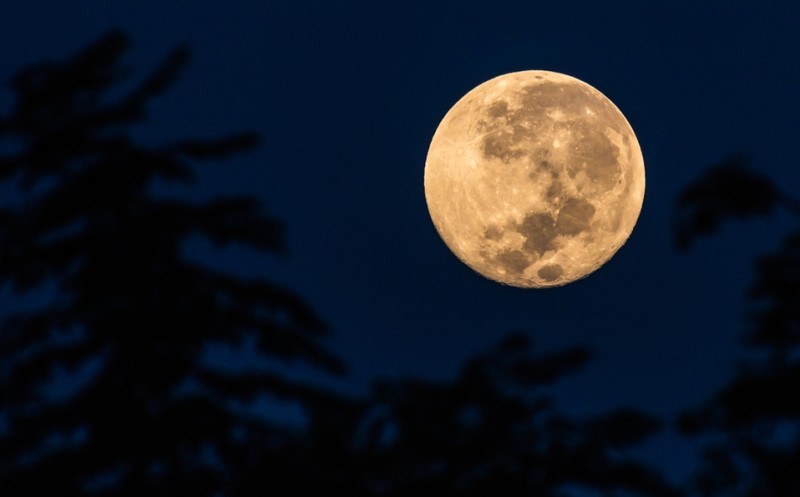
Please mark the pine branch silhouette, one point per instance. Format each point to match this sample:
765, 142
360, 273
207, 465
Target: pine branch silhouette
154, 418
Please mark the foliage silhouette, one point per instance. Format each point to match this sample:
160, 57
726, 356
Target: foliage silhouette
154, 418
728, 189
494, 430
752, 424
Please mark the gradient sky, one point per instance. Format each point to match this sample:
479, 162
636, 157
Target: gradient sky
347, 96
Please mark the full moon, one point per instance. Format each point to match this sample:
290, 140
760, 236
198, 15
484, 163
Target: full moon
534, 179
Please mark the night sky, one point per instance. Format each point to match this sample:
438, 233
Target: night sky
347, 96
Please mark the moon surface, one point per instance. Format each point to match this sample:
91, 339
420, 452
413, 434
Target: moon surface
534, 179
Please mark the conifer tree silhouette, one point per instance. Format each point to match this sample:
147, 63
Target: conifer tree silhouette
154, 418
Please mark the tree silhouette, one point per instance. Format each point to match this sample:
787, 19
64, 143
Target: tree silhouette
752, 423
85, 229
135, 318
494, 430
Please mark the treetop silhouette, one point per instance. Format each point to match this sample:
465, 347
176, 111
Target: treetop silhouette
494, 430
126, 299
751, 423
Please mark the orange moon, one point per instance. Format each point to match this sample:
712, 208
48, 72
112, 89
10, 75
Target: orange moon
534, 179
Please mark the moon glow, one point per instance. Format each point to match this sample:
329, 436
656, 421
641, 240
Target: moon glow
534, 179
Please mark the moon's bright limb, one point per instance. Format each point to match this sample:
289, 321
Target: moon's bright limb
534, 179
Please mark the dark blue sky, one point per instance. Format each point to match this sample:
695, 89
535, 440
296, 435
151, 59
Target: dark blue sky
347, 96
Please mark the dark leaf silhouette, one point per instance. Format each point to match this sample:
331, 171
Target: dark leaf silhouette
495, 431
754, 444
728, 189
776, 295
